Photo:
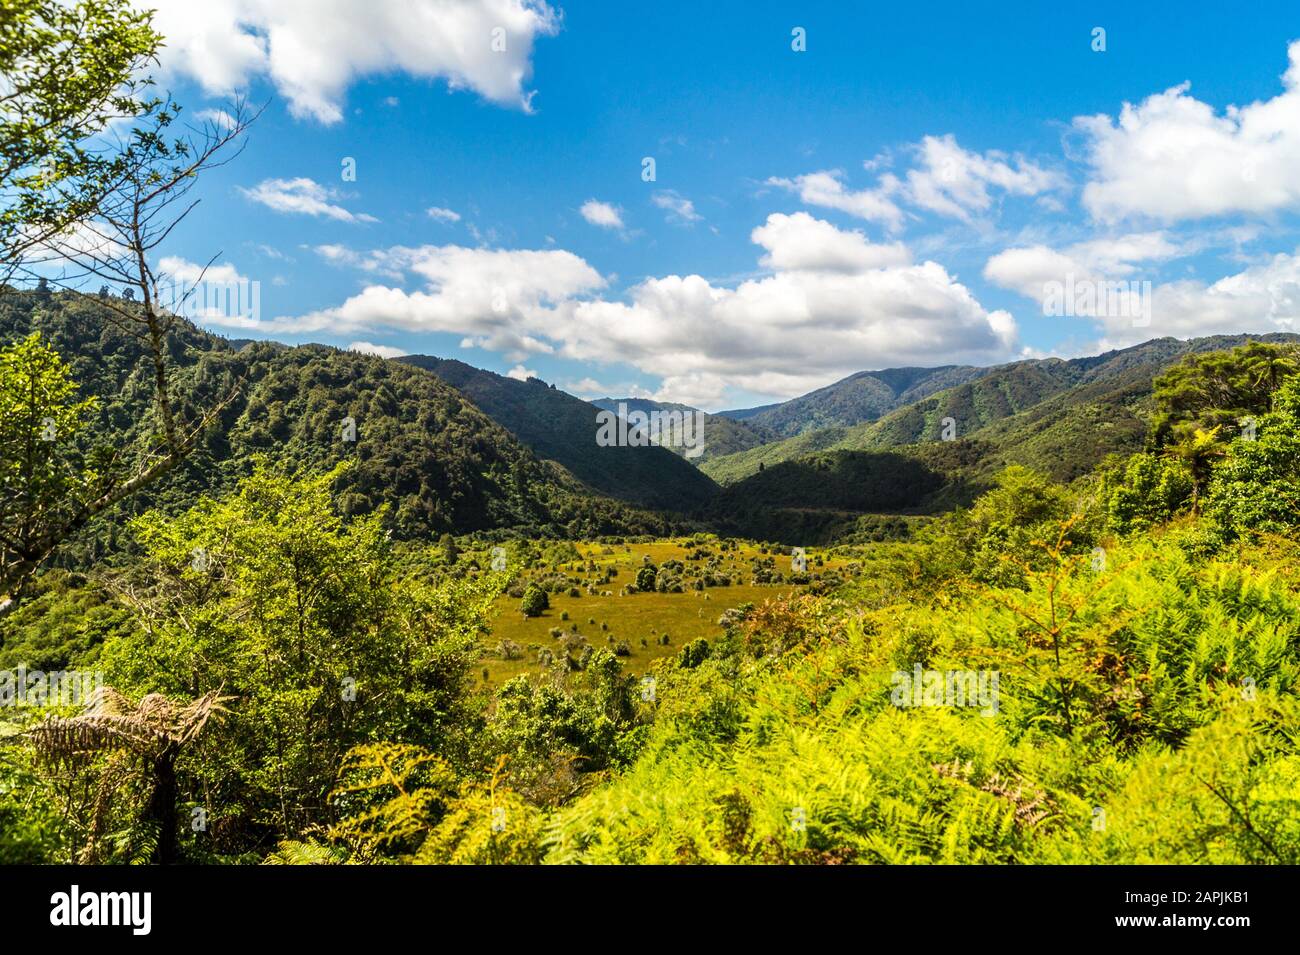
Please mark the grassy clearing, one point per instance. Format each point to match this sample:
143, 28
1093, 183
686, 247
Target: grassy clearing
639, 619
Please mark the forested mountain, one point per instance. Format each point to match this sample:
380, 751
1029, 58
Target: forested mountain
452, 448
416, 444
561, 428
722, 434
864, 396
843, 494
1061, 416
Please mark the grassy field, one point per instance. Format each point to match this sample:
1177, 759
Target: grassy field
641, 620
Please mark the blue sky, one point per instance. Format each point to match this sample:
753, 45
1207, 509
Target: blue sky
902, 191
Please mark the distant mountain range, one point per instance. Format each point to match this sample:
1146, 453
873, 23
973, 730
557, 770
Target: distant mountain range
1061, 416
864, 396
448, 447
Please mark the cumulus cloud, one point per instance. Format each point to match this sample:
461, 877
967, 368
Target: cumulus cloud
303, 196
800, 242
81, 242
827, 189
788, 332
484, 293
1028, 269
946, 179
440, 214
835, 303
602, 214
955, 182
312, 50
182, 270
224, 298
1264, 297
587, 387
217, 117
520, 373
1172, 157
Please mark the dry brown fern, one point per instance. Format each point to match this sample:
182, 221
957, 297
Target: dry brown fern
111, 722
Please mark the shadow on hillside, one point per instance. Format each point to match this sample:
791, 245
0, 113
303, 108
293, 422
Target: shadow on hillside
812, 500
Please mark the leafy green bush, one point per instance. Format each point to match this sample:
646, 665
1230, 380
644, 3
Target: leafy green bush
534, 601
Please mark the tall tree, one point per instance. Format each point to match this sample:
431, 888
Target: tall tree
86, 199
1217, 390
69, 71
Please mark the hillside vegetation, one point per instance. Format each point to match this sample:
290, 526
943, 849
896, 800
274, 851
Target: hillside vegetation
559, 427
1103, 671
1063, 417
722, 434
865, 396
418, 446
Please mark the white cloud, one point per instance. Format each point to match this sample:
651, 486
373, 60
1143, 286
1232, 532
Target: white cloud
482, 293
520, 373
383, 351
800, 242
186, 272
1173, 157
217, 117
602, 214
92, 241
696, 390
1028, 269
785, 333
679, 208
1264, 297
442, 215
955, 182
1261, 298
837, 306
302, 195
312, 50
225, 298
947, 179
827, 189
588, 387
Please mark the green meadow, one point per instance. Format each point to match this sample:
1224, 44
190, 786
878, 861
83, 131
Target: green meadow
650, 625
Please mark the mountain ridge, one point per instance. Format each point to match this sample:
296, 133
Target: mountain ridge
560, 427
1001, 394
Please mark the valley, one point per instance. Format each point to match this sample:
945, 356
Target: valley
459, 597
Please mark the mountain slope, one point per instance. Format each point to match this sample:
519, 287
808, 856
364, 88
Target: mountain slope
1060, 416
864, 396
421, 449
562, 428
721, 434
